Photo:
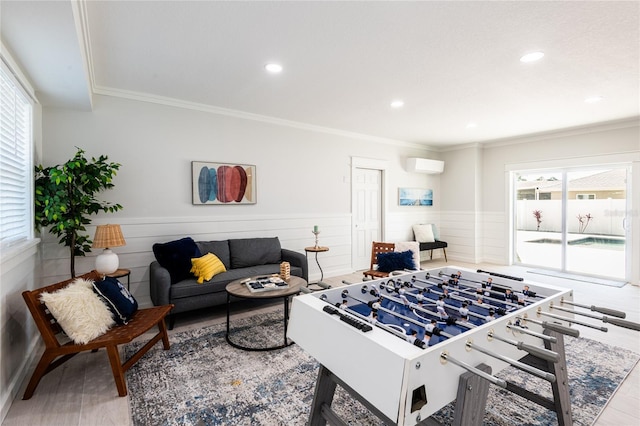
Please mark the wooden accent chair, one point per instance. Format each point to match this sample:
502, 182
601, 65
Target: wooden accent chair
56, 354
376, 248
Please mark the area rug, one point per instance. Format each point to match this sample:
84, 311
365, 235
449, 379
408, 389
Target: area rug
202, 380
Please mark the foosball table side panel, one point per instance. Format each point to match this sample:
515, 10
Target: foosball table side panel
367, 363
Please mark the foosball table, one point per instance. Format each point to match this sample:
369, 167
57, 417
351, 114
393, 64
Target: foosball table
409, 344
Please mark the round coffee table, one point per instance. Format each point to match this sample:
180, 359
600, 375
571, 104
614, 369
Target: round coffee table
239, 289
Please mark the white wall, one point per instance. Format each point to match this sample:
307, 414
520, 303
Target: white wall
461, 209
303, 179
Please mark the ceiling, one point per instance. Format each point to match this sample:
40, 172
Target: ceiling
452, 63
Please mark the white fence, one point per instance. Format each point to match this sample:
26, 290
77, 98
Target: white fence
607, 216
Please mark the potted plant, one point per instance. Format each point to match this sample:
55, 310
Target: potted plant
65, 197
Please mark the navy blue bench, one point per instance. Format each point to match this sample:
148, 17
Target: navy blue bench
433, 246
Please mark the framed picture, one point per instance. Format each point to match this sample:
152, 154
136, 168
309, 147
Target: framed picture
415, 197
223, 183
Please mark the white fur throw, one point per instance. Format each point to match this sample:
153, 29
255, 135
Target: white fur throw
79, 311
414, 246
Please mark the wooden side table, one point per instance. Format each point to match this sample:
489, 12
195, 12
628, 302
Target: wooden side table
119, 273
316, 250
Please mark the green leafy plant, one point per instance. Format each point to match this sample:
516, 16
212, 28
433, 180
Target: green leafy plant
65, 197
538, 215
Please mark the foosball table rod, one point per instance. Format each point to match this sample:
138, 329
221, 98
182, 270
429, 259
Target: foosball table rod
605, 319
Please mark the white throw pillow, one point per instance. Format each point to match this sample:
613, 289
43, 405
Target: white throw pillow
414, 246
79, 311
424, 233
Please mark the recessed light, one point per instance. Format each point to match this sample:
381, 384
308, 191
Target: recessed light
532, 57
273, 68
593, 99
471, 125
397, 104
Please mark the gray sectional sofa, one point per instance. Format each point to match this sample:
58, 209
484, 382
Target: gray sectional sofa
171, 281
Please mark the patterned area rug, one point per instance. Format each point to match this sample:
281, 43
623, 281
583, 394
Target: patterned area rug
202, 380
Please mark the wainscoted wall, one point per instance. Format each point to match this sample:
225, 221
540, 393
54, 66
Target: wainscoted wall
399, 226
18, 344
293, 231
495, 238
458, 229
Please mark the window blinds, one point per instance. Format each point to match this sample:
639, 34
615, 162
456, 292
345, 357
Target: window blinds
15, 161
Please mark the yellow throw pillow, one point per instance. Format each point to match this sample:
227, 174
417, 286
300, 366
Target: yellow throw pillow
206, 267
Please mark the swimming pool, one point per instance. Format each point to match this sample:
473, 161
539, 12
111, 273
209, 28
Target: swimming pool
592, 242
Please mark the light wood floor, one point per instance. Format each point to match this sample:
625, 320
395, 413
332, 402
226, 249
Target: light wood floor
82, 391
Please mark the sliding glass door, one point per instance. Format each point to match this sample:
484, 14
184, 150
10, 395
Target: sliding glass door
572, 220
538, 215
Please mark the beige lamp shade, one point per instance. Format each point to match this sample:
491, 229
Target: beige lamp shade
108, 236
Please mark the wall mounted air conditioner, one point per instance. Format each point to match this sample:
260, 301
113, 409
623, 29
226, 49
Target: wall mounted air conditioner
424, 165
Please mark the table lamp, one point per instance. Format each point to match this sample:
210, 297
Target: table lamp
107, 236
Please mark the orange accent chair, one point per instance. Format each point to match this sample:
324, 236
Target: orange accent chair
56, 354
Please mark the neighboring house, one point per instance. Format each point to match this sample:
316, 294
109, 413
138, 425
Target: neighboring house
597, 186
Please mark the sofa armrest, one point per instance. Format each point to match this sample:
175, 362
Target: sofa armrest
296, 259
159, 284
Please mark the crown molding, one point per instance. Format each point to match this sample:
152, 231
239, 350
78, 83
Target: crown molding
178, 103
79, 10
459, 147
624, 123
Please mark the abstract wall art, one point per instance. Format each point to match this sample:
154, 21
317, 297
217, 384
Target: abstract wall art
415, 197
223, 183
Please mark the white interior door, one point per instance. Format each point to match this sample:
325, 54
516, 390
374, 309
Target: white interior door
366, 190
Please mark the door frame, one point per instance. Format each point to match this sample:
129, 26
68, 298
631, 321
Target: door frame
373, 164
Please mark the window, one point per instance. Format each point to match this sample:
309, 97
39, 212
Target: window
585, 196
16, 173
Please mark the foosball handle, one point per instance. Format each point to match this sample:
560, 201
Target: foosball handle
622, 323
567, 331
607, 311
538, 352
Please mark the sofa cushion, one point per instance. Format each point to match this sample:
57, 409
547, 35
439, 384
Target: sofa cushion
117, 298
219, 248
176, 257
189, 288
394, 261
206, 267
424, 233
254, 251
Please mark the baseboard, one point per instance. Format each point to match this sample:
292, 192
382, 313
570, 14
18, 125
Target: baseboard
15, 385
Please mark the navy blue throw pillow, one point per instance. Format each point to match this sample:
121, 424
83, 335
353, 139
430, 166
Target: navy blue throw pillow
175, 256
120, 302
395, 261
